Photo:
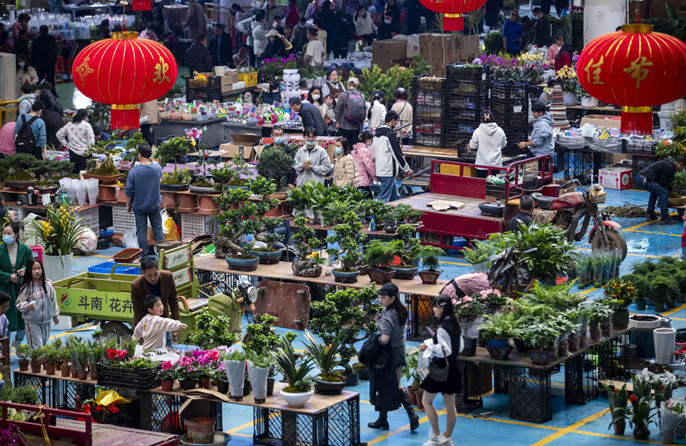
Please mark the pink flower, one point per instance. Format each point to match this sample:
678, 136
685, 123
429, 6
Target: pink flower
466, 299
167, 365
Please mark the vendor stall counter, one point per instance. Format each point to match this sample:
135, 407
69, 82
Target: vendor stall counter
212, 137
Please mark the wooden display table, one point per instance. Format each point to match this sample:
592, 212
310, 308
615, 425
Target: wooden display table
109, 435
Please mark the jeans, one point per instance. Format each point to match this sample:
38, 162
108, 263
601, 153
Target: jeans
389, 189
168, 343
285, 230
657, 193
142, 229
683, 253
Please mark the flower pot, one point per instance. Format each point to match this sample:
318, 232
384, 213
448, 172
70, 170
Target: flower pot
188, 384
606, 327
75, 373
188, 204
659, 307
641, 433
420, 404
35, 367
167, 384
499, 349
296, 399
49, 368
412, 392
352, 379
121, 197
429, 277
23, 365
328, 387
65, 370
200, 430
344, 276
520, 345
381, 276
243, 263
104, 179
235, 371
594, 331
469, 348
19, 184
620, 318
83, 375
541, 357
204, 382
94, 374
267, 257
270, 386
570, 98
589, 101
258, 380
223, 387
405, 273
664, 339
58, 267
641, 304
169, 200
306, 268
667, 437
208, 206
58, 366
107, 194
620, 427
173, 187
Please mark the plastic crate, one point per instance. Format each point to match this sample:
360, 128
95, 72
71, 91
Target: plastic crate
122, 221
139, 379
640, 146
466, 73
508, 90
457, 140
91, 219
250, 79
466, 87
474, 102
428, 83
210, 82
204, 94
106, 268
193, 225
464, 114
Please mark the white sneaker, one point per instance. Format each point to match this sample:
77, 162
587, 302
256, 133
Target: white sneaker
444, 441
433, 440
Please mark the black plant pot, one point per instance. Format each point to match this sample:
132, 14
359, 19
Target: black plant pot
542, 357
620, 318
641, 304
469, 348
405, 273
352, 379
223, 387
188, 384
270, 386
499, 352
520, 345
328, 387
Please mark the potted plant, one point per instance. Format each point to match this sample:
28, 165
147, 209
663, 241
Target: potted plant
541, 339
478, 255
267, 235
497, 331
220, 379
23, 352
306, 265
167, 375
258, 372
187, 372
294, 370
621, 293
640, 415
234, 364
407, 250
213, 331
36, 355
469, 312
618, 398
107, 172
378, 255
328, 382
671, 415
350, 313
349, 239
83, 356
276, 165
166, 153
598, 313
411, 374
52, 356
664, 292
429, 256
566, 76
65, 367
205, 372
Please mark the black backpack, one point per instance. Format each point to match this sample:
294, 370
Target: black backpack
357, 108
26, 141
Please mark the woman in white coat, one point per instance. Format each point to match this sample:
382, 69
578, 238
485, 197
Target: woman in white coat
489, 141
377, 111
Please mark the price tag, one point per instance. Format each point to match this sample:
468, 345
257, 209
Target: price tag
45, 199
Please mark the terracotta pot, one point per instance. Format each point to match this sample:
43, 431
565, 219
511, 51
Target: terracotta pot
104, 179
121, 198
94, 374
74, 373
169, 200
381, 276
207, 205
23, 365
620, 427
412, 392
35, 367
106, 194
188, 204
49, 368
58, 365
276, 211
204, 383
65, 370
83, 375
167, 384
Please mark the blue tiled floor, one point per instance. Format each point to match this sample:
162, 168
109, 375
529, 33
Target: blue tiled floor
571, 424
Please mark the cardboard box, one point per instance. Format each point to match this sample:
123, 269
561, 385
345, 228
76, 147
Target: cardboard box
617, 178
228, 80
440, 50
389, 52
602, 121
231, 150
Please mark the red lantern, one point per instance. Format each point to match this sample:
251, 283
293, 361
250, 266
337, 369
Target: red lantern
141, 5
124, 71
453, 10
635, 68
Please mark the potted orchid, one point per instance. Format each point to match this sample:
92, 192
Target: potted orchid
566, 76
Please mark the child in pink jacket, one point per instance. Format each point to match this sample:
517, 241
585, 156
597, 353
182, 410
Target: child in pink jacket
364, 160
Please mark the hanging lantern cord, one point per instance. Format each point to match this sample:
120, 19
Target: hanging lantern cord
123, 15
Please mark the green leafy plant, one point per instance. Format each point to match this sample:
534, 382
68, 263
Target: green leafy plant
664, 289
324, 356
379, 254
59, 231
406, 246
621, 291
429, 256
540, 336
213, 331
493, 43
37, 354
596, 311
304, 239
170, 149
499, 326
480, 251
260, 337
410, 370
294, 369
275, 164
23, 351
617, 398
349, 239
558, 297
51, 354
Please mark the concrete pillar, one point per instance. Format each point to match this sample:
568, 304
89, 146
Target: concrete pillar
602, 17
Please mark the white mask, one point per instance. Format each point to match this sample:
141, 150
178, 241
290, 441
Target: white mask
387, 22
316, 97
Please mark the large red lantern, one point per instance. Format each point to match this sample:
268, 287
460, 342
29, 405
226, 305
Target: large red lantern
635, 68
453, 10
141, 5
124, 71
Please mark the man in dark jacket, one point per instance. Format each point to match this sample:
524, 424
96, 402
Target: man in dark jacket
526, 208
309, 115
53, 122
198, 56
299, 34
657, 178
389, 158
542, 29
44, 55
155, 282
220, 47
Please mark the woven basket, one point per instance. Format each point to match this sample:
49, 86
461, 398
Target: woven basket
677, 201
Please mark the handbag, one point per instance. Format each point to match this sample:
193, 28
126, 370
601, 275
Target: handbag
438, 372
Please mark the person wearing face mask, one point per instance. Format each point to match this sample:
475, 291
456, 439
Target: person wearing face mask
312, 162
314, 97
388, 28
281, 142
333, 86
389, 159
14, 258
345, 170
542, 29
26, 74
277, 24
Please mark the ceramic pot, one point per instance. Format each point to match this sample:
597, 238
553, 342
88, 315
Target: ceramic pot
207, 205
405, 273
499, 349
58, 267
202, 189
429, 277
169, 200
107, 194
104, 179
188, 204
243, 264
345, 277
270, 386
381, 276
328, 387
306, 268
267, 257
589, 101
174, 187
296, 399
570, 98
167, 384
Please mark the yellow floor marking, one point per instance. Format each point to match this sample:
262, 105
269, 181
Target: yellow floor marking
571, 428
674, 310
590, 290
678, 318
618, 437
640, 225
455, 263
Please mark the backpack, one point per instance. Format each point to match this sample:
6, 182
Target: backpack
26, 141
357, 108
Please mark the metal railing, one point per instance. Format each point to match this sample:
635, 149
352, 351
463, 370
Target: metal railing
8, 111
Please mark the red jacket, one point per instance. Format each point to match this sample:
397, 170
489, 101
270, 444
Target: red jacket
683, 235
562, 60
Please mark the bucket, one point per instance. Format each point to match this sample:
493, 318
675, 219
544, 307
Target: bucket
200, 430
220, 439
664, 339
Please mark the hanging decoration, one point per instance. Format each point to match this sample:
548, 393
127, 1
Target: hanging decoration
141, 5
635, 68
453, 10
124, 71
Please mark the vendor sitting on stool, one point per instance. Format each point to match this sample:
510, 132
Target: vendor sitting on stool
656, 178
526, 209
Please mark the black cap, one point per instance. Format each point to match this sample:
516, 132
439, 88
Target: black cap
389, 289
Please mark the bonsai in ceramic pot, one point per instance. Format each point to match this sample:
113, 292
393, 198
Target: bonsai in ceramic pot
407, 250
295, 370
276, 165
328, 382
378, 255
306, 265
168, 151
429, 255
349, 239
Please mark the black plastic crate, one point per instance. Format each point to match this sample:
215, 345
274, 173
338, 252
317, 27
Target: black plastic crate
457, 140
428, 105
139, 379
508, 90
461, 127
211, 82
204, 94
530, 395
534, 92
466, 73
476, 101
464, 114
466, 87
428, 83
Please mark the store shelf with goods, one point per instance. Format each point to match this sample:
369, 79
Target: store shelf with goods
193, 225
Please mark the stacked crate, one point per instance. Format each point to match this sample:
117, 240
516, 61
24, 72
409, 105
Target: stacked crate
193, 225
427, 111
208, 90
510, 107
466, 96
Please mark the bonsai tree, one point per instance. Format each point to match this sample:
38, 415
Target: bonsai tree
260, 337
379, 254
169, 150
350, 313
304, 239
429, 256
349, 239
406, 247
294, 369
275, 164
236, 174
324, 356
23, 351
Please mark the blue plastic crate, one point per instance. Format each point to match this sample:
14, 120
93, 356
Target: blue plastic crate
106, 268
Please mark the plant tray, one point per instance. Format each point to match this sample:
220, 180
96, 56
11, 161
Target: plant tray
127, 255
139, 379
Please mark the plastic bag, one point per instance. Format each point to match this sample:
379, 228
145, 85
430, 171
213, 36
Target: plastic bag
79, 191
130, 240
169, 227
87, 241
67, 185
92, 189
